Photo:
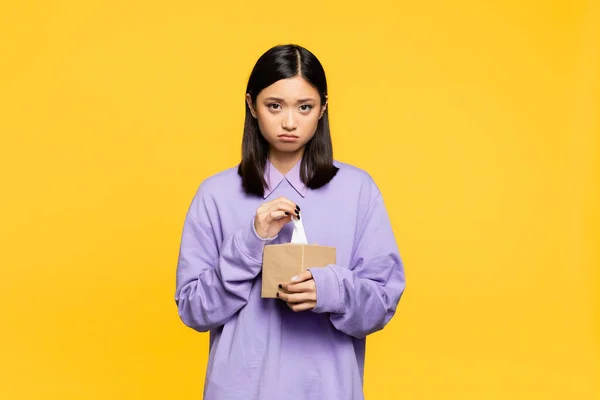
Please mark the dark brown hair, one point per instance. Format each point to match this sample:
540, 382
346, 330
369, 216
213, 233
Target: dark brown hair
282, 62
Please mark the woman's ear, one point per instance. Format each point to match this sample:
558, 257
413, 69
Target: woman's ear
323, 107
250, 105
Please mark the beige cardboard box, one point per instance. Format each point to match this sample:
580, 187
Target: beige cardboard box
282, 261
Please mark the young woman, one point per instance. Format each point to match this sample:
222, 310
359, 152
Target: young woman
310, 342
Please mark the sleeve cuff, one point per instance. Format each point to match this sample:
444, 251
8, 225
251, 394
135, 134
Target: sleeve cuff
328, 290
252, 244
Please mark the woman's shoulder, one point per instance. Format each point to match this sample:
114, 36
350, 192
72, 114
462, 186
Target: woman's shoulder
355, 181
219, 183
352, 173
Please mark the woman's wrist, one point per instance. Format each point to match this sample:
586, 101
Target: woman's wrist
251, 243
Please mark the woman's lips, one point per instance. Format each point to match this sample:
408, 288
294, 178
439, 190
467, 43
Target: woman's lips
288, 138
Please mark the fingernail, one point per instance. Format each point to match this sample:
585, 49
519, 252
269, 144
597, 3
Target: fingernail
294, 278
297, 208
280, 287
298, 217
287, 213
297, 213
277, 294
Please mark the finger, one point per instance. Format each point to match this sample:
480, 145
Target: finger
297, 297
283, 221
287, 207
286, 204
268, 204
301, 277
307, 305
280, 200
306, 286
285, 200
274, 212
276, 215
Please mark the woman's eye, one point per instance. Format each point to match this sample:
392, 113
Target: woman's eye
274, 106
306, 107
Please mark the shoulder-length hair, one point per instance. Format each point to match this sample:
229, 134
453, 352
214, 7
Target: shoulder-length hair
282, 62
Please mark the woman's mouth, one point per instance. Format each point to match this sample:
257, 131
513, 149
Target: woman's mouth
288, 137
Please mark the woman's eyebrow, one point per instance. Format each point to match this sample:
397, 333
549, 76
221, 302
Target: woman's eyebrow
305, 100
271, 98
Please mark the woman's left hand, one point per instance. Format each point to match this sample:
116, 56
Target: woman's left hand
301, 293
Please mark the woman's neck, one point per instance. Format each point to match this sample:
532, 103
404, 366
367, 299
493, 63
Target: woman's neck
285, 161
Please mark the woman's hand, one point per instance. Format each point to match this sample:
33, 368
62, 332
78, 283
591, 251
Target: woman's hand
272, 216
301, 293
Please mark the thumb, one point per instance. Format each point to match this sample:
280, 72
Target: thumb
283, 221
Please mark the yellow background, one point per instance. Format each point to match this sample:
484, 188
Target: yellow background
478, 120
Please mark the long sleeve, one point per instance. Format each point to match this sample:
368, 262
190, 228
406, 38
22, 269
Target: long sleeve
214, 282
363, 298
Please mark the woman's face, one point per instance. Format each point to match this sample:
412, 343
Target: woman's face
288, 112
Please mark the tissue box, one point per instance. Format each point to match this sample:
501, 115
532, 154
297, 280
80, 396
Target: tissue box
282, 261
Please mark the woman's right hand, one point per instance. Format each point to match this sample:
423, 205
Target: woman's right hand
273, 215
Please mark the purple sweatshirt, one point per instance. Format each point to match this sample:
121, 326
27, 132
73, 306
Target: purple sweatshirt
259, 348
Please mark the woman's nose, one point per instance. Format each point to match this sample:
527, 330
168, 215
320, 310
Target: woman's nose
289, 122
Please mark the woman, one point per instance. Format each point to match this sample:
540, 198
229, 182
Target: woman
310, 342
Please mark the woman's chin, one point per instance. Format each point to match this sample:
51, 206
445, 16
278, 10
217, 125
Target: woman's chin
287, 147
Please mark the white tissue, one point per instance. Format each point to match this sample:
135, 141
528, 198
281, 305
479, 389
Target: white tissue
298, 236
